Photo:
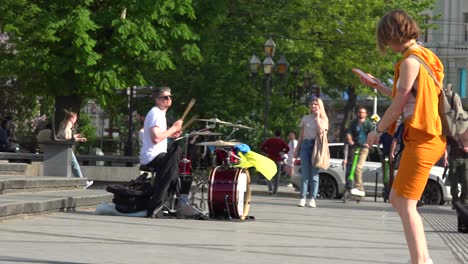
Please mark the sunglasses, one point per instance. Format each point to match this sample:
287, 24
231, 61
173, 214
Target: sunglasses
166, 97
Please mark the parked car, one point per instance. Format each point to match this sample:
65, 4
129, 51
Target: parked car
332, 181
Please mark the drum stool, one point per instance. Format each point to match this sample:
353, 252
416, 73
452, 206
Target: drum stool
169, 206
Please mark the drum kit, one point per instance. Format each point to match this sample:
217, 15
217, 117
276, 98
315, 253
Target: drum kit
228, 187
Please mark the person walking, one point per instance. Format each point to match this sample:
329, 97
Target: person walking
66, 132
422, 136
457, 162
311, 125
290, 161
275, 147
356, 139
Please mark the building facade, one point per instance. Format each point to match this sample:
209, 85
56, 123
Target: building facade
450, 41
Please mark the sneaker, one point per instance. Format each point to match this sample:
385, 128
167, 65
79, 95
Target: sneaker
88, 183
357, 192
289, 185
312, 203
301, 203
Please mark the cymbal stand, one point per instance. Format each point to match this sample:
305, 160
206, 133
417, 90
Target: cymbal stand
185, 159
207, 127
234, 129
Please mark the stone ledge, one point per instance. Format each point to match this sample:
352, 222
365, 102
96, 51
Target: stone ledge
50, 201
15, 184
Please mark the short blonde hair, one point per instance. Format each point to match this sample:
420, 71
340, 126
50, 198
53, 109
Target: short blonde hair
396, 27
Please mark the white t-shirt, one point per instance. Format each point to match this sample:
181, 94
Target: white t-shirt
310, 127
154, 118
292, 147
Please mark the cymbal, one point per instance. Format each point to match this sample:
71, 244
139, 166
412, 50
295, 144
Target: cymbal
219, 143
216, 120
240, 126
205, 133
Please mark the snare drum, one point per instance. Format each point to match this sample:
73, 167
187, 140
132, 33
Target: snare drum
229, 192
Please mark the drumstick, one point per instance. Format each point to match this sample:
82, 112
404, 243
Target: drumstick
189, 106
188, 123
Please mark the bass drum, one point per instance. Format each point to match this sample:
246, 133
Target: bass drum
229, 193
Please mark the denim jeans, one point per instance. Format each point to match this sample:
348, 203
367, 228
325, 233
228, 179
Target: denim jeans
273, 184
309, 173
75, 166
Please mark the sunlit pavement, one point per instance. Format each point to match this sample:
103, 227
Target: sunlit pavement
334, 232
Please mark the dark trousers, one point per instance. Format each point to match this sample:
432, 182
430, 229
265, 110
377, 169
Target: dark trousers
458, 175
273, 184
167, 172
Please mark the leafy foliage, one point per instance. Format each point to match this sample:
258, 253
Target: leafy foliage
90, 48
200, 48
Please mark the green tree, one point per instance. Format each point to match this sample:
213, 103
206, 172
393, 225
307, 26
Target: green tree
75, 50
325, 38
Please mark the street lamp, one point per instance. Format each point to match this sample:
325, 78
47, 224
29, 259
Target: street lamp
283, 65
254, 65
133, 92
270, 48
268, 67
311, 88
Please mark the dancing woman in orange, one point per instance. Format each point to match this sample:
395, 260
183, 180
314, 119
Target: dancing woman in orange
424, 142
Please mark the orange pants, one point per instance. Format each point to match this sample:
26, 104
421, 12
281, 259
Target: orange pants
421, 152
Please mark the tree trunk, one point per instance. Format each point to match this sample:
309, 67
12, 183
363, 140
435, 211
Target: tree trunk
349, 110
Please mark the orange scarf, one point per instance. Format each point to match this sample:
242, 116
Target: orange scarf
426, 115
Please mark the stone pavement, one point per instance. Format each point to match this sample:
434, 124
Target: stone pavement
334, 232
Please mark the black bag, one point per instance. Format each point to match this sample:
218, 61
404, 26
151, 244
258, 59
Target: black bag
132, 197
400, 146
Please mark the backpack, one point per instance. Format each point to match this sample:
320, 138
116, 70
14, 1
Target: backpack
133, 196
454, 118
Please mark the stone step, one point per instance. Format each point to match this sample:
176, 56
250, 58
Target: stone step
25, 184
13, 168
14, 205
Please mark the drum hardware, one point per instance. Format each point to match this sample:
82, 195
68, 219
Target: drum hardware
227, 207
226, 157
234, 130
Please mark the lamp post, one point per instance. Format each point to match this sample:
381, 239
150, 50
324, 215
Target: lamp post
268, 66
133, 92
311, 88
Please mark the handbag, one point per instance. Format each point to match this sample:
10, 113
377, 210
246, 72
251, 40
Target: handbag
321, 153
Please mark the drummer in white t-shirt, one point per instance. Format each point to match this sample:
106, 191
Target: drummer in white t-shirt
155, 128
